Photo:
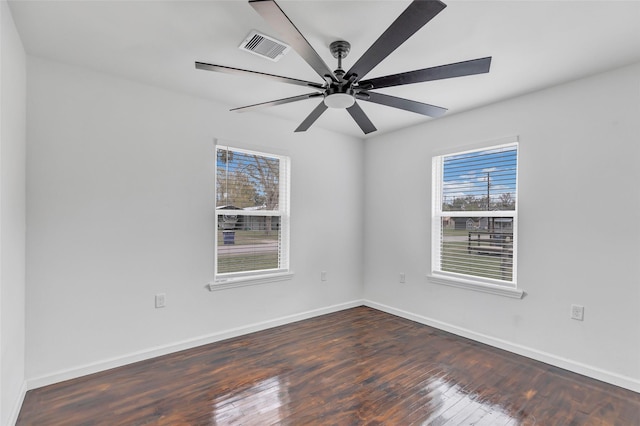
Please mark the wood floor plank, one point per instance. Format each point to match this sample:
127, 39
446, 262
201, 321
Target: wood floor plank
355, 367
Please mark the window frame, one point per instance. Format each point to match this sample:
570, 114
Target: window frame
283, 272
461, 280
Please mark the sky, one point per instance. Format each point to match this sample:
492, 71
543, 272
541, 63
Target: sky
467, 174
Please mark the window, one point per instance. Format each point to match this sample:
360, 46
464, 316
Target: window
252, 214
475, 216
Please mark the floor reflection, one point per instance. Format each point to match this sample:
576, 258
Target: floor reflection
265, 402
452, 404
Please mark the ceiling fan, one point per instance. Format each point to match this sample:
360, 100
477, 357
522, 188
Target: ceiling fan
342, 89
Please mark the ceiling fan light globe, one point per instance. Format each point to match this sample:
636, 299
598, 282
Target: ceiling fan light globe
339, 100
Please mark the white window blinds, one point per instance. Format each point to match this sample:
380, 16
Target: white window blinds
475, 214
252, 212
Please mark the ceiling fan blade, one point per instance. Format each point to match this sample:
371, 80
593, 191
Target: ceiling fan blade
238, 71
271, 12
459, 69
414, 17
277, 102
311, 118
405, 104
361, 118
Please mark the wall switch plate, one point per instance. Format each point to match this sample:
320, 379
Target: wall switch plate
403, 277
323, 275
160, 300
577, 312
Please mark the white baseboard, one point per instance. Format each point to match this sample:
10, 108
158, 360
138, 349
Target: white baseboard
567, 364
107, 364
15, 410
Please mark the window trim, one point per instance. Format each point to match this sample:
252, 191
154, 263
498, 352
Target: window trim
247, 278
231, 282
463, 281
475, 285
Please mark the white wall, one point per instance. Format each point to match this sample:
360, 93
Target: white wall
12, 217
578, 208
120, 202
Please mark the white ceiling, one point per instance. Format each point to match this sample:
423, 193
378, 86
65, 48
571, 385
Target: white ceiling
534, 44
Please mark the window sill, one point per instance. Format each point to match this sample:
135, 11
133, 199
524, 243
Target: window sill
225, 283
477, 286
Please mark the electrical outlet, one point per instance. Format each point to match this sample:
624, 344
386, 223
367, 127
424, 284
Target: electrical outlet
160, 300
323, 275
577, 312
403, 277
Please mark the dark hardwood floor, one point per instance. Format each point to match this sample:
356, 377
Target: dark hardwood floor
355, 367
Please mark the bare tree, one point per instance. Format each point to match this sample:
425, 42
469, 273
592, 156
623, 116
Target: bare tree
234, 188
506, 201
249, 180
266, 173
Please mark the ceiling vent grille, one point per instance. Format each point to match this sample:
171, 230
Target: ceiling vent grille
264, 46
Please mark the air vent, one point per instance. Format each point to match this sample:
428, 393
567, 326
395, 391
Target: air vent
265, 46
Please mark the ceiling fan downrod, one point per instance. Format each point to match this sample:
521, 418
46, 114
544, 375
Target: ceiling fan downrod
340, 49
340, 94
